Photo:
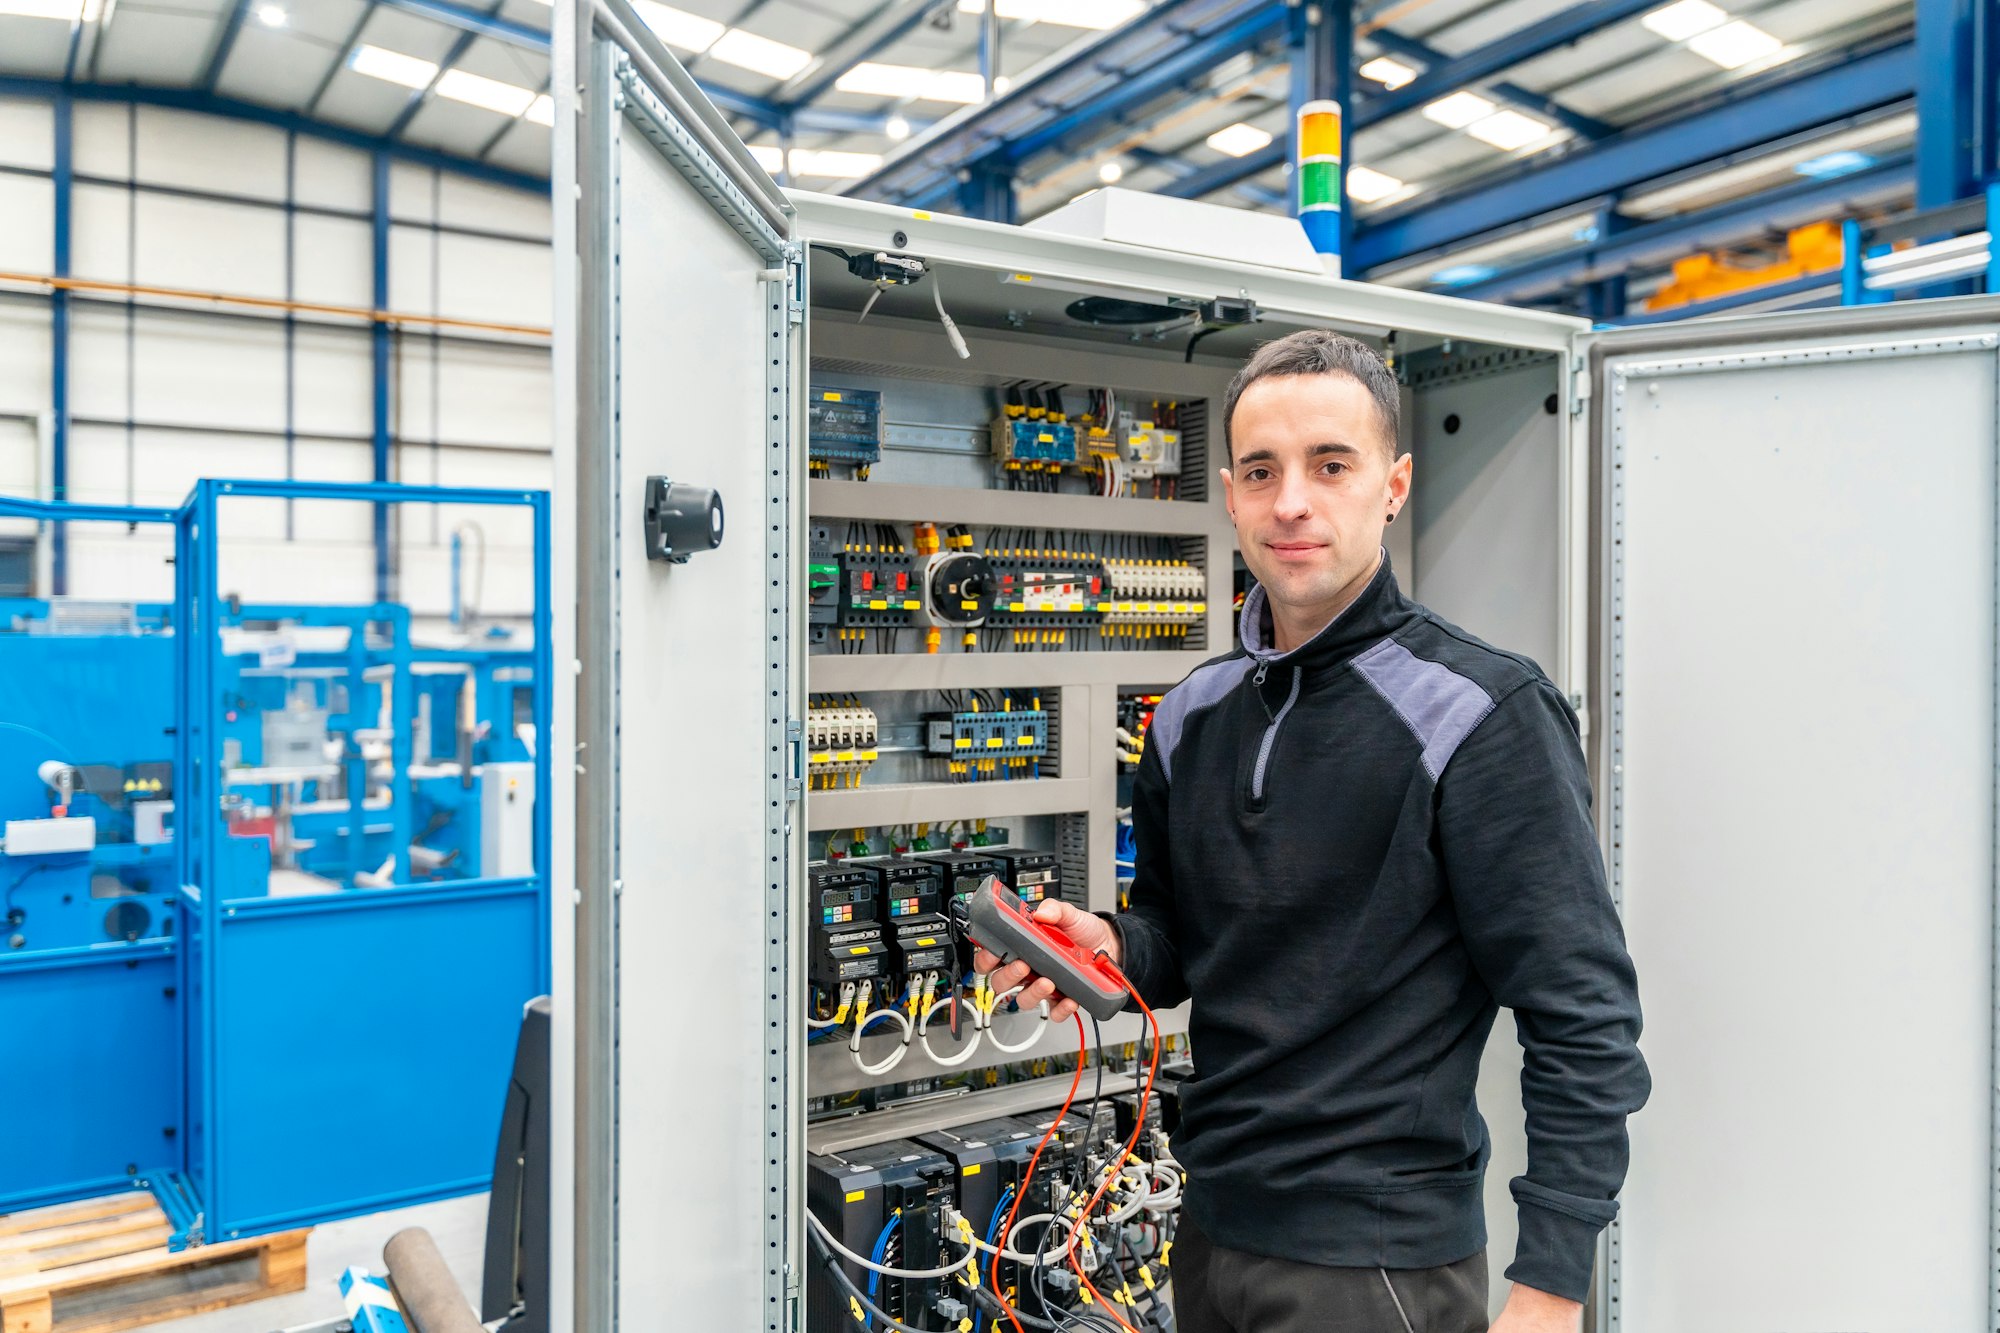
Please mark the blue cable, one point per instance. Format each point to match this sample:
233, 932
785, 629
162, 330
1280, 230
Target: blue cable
881, 1249
999, 1214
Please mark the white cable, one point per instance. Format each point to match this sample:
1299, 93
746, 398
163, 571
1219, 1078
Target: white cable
895, 1056
968, 1258
923, 1035
950, 329
1034, 1033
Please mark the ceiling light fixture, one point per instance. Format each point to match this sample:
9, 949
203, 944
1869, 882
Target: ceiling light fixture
1111, 172
1238, 140
1097, 14
68, 11
910, 82
769, 157
542, 111
1683, 19
678, 28
1458, 110
1509, 130
897, 129
379, 62
271, 16
1734, 45
759, 55
834, 163
1365, 185
487, 94
1389, 73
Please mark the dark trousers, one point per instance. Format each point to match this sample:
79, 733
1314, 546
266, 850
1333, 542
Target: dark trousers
1226, 1291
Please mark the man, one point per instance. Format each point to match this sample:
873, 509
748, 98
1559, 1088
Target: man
1357, 835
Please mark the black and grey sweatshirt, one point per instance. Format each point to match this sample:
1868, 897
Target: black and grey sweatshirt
1350, 855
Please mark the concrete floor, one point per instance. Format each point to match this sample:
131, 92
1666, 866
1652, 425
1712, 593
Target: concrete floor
458, 1226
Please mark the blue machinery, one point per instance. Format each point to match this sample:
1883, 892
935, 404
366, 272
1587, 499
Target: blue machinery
274, 889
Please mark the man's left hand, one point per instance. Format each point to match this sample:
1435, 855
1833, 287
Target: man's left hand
1532, 1311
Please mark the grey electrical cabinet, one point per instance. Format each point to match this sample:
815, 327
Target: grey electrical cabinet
1759, 554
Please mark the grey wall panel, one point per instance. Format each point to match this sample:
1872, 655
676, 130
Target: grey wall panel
1486, 504
692, 787
1803, 569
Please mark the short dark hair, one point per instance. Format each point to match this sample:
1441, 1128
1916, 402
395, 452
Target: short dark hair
1320, 352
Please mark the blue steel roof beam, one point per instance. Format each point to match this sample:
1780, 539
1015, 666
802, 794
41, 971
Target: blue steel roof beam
1586, 127
1560, 29
225, 42
1180, 168
889, 24
1229, 171
346, 53
192, 99
929, 163
1756, 111
727, 100
1134, 88
415, 102
1071, 129
1792, 204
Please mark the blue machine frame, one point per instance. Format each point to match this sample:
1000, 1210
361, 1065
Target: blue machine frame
374, 1025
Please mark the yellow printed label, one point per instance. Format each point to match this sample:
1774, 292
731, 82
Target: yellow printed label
1199, 606
869, 755
846, 756
972, 1170
1028, 739
968, 606
995, 742
878, 606
858, 949
1124, 606
1073, 606
1017, 606
926, 943
829, 397
1145, 606
962, 743
1145, 425
1045, 439
856, 1196
910, 605
1024, 277
920, 215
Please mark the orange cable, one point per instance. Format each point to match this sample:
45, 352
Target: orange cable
267, 303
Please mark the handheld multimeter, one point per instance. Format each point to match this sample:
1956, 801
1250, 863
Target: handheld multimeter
999, 924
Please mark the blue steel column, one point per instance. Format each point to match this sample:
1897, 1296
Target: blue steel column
379, 341
1321, 43
1949, 93
64, 175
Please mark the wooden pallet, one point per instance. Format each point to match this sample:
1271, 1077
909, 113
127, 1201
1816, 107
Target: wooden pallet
100, 1265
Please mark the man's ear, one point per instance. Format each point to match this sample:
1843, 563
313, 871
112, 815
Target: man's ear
1228, 492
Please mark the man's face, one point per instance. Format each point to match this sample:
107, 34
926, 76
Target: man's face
1311, 488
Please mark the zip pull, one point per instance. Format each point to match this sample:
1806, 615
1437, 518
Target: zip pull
1263, 669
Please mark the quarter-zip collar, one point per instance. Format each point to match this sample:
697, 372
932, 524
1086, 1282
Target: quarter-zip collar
1380, 611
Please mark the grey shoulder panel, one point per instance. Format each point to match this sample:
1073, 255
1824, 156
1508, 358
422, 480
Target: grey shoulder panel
1204, 688
1439, 706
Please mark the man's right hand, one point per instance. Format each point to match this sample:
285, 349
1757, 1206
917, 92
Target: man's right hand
1091, 932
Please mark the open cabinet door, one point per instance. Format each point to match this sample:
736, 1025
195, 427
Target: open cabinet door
688, 673
1796, 626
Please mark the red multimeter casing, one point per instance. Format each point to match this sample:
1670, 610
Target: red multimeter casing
1001, 925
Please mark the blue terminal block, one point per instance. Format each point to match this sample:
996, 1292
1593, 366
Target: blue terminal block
1020, 440
843, 428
